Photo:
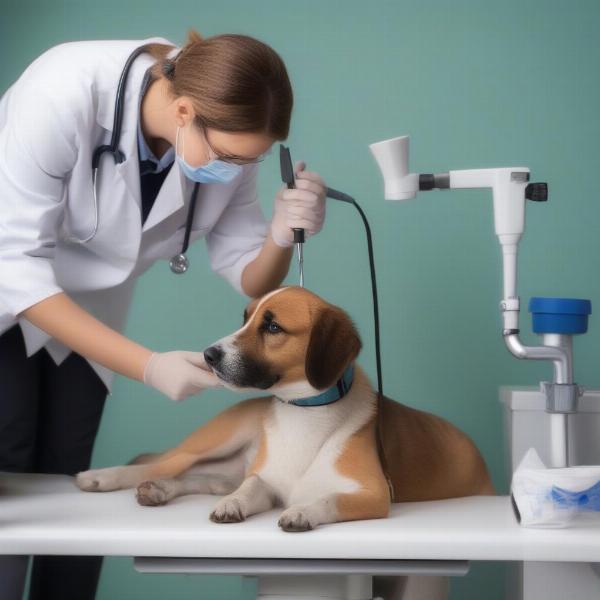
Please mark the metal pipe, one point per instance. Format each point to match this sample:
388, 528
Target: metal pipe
559, 434
562, 360
558, 349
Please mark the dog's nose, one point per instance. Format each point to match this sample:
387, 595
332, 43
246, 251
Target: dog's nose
213, 355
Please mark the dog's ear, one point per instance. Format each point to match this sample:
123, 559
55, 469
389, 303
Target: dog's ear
333, 344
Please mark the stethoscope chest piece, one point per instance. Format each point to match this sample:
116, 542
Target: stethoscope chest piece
179, 264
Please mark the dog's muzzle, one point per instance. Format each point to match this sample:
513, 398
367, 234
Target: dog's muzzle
239, 371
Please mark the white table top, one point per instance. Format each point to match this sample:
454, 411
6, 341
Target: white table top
48, 514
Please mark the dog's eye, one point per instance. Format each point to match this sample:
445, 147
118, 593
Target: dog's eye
273, 327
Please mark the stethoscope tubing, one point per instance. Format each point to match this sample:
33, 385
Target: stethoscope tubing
178, 263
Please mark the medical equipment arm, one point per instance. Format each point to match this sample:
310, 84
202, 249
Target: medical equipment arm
70, 324
510, 188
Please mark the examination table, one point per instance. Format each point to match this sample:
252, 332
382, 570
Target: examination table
48, 514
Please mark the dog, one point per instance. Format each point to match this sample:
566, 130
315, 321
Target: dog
309, 447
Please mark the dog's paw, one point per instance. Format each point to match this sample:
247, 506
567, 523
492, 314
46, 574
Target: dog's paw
228, 510
296, 518
98, 480
151, 493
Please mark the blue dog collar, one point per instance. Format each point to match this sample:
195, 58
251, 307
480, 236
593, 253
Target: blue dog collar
333, 394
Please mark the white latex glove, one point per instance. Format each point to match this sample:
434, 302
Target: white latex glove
179, 374
302, 206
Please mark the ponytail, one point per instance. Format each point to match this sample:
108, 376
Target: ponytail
235, 82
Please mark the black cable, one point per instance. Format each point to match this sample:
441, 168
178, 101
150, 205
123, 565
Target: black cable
337, 195
188, 224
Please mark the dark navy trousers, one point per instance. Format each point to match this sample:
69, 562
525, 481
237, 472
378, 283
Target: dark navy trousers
49, 417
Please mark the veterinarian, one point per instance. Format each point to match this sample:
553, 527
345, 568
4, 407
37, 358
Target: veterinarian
98, 180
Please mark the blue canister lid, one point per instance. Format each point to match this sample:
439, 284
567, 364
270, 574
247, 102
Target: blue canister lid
560, 315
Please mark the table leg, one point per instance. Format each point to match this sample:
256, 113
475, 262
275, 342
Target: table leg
555, 581
306, 587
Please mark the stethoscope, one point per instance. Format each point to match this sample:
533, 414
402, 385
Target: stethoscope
179, 263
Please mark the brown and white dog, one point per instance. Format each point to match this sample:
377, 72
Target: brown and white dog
320, 463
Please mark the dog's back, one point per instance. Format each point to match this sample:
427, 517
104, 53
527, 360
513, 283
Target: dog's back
429, 458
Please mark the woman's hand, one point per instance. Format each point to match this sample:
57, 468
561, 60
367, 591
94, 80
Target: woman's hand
179, 374
302, 206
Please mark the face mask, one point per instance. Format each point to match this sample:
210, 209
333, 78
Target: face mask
215, 171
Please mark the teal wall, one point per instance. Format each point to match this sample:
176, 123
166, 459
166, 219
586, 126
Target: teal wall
476, 84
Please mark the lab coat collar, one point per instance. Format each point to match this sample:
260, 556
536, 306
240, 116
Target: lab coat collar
170, 197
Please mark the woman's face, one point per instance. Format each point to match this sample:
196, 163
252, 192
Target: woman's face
199, 145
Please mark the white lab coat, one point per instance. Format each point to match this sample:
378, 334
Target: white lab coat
51, 120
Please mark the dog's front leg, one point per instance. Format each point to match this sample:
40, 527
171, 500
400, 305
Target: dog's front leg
253, 496
365, 504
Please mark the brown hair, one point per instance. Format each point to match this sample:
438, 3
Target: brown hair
236, 82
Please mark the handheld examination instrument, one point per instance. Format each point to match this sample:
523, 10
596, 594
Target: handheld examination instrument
179, 263
287, 176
